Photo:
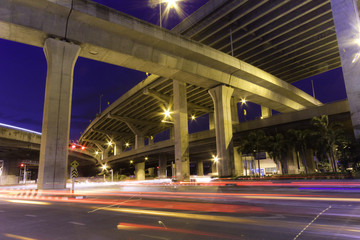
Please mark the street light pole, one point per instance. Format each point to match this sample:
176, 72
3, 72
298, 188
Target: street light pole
160, 2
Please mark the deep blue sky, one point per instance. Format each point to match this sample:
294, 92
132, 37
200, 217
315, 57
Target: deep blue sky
23, 76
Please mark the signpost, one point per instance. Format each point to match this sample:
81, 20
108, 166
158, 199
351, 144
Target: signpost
74, 173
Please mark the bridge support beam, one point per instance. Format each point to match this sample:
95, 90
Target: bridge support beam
265, 112
181, 133
61, 57
234, 110
347, 24
221, 96
162, 166
200, 167
140, 171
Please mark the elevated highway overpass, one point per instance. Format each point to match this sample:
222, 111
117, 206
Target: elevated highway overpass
289, 39
23, 146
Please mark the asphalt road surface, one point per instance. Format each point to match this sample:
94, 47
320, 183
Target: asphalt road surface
316, 211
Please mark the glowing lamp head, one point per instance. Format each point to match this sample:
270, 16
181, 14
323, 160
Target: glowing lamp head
82, 147
171, 3
146, 158
127, 144
96, 153
104, 167
215, 158
131, 161
167, 113
73, 146
243, 101
109, 143
22, 165
193, 117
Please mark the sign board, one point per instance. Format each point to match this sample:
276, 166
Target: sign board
74, 164
74, 173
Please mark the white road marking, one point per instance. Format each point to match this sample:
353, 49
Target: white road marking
30, 215
77, 223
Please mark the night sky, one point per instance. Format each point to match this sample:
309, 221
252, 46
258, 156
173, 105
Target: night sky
23, 76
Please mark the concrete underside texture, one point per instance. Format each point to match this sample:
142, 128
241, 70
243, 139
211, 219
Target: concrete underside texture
347, 25
181, 134
113, 37
61, 57
221, 96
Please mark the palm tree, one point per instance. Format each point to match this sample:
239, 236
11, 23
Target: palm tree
257, 141
278, 148
298, 139
246, 148
328, 137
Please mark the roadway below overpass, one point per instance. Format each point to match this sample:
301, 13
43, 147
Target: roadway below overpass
203, 144
251, 210
22, 146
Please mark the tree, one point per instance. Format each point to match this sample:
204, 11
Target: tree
257, 142
298, 140
278, 148
328, 136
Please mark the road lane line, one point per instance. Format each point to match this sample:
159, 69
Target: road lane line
18, 237
77, 223
30, 215
311, 222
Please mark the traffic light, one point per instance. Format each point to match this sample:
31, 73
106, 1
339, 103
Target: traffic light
22, 165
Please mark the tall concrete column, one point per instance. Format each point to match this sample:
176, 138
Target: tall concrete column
181, 132
238, 169
118, 147
162, 165
211, 121
234, 110
172, 133
265, 112
140, 171
200, 167
347, 24
151, 172
221, 96
61, 57
139, 141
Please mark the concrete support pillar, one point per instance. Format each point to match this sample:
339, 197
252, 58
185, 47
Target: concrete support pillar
234, 110
211, 121
292, 162
200, 167
139, 141
172, 133
309, 159
61, 57
151, 172
151, 140
221, 96
140, 171
181, 132
118, 147
238, 164
347, 25
214, 167
162, 165
265, 112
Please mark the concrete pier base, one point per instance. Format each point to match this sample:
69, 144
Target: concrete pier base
61, 57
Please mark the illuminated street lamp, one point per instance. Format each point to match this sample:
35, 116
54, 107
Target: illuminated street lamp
169, 5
